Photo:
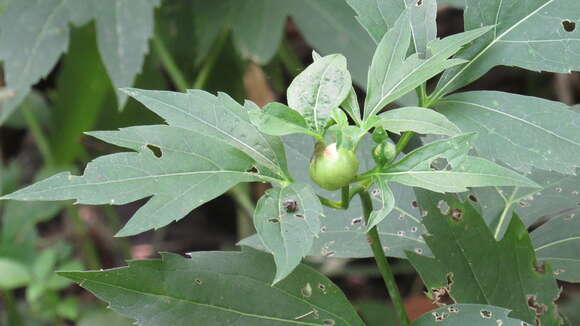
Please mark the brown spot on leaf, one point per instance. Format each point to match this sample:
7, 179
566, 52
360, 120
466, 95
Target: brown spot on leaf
569, 26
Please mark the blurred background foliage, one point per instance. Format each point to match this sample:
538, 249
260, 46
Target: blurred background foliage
250, 51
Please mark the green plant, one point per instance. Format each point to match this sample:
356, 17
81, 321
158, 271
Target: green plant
453, 206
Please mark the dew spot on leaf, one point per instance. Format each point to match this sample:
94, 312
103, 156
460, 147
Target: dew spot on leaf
328, 322
307, 290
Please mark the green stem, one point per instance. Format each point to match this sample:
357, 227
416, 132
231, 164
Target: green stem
210, 61
403, 141
38, 135
13, 315
502, 217
382, 263
177, 78
346, 196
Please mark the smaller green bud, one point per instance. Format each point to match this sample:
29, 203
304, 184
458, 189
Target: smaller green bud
333, 168
384, 152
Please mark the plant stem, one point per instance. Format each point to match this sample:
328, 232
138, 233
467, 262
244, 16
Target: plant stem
403, 141
346, 194
210, 61
382, 263
502, 217
37, 134
177, 78
13, 315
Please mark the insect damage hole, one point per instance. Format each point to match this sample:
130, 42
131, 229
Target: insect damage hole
198, 281
155, 150
456, 214
290, 205
328, 322
419, 3
443, 207
569, 26
486, 314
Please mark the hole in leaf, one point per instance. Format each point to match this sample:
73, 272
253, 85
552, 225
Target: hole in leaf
569, 26
439, 316
486, 314
322, 287
443, 207
328, 322
300, 215
274, 220
419, 3
155, 150
499, 322
456, 214
538, 308
290, 205
356, 220
442, 296
473, 198
539, 267
453, 309
414, 204
198, 281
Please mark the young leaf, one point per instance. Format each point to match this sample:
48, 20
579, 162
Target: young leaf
350, 105
460, 171
321, 87
392, 74
178, 291
192, 168
387, 199
217, 116
419, 120
533, 37
468, 314
287, 220
342, 233
472, 267
277, 119
522, 131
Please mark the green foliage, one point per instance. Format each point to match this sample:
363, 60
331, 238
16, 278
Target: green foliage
176, 291
470, 266
419, 120
468, 314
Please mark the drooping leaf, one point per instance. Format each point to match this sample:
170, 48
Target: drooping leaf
33, 35
287, 220
533, 37
459, 172
43, 35
522, 131
468, 314
329, 26
218, 116
279, 120
82, 87
472, 267
123, 31
392, 74
180, 168
259, 26
321, 87
342, 233
387, 200
179, 291
419, 120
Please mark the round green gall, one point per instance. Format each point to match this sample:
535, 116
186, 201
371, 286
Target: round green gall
333, 168
384, 152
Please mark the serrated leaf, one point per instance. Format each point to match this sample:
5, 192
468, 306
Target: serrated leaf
468, 314
179, 291
123, 31
392, 74
419, 120
192, 169
387, 200
218, 116
522, 131
532, 37
287, 220
475, 268
342, 233
278, 119
321, 87
460, 171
